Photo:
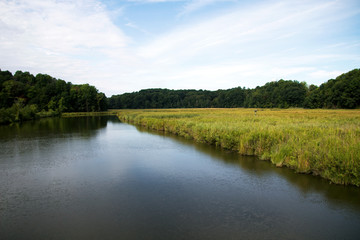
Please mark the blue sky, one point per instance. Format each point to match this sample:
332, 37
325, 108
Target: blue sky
125, 46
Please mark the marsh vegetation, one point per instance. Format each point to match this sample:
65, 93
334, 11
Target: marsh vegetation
319, 142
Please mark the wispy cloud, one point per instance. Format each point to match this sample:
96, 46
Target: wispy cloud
194, 5
238, 27
131, 24
53, 35
250, 37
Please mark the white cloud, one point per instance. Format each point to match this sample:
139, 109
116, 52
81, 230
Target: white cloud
64, 38
325, 74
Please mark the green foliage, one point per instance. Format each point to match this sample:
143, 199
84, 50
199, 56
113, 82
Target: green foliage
342, 92
18, 112
7, 115
24, 96
162, 98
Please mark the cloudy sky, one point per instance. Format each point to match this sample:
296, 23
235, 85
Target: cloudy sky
128, 45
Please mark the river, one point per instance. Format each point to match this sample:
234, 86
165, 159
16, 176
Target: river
98, 178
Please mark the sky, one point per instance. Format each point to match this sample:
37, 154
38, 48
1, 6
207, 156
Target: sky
129, 45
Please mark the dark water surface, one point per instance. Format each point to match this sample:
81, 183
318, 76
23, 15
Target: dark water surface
97, 178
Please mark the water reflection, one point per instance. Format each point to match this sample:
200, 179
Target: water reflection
28, 141
48, 126
337, 195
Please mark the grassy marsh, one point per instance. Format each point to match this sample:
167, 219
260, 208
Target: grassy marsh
319, 142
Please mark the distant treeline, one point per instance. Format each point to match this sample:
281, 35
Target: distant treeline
342, 92
24, 96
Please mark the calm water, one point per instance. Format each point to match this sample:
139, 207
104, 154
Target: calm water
97, 178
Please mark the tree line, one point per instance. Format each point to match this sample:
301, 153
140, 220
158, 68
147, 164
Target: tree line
24, 96
342, 92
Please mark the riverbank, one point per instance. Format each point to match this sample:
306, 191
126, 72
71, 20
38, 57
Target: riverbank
319, 142
18, 114
89, 114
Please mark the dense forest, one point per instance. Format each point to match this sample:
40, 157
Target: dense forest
24, 96
342, 92
274, 94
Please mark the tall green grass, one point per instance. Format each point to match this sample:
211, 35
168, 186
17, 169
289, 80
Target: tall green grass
319, 142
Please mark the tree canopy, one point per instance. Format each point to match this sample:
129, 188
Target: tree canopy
23, 95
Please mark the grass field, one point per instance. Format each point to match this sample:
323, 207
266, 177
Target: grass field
319, 142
